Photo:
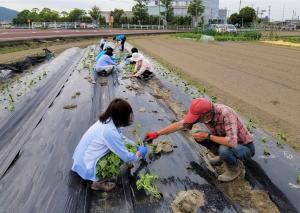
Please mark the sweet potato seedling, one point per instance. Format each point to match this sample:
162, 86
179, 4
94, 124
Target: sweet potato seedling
148, 182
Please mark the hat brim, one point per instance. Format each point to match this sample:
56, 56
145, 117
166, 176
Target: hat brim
191, 118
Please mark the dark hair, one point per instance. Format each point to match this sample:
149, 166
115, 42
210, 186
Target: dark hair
134, 50
119, 111
109, 51
114, 38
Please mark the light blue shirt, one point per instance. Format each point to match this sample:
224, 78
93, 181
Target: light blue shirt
105, 60
96, 142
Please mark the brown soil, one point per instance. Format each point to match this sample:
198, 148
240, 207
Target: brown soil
188, 201
260, 81
57, 48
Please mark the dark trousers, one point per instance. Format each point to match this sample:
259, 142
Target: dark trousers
231, 155
123, 43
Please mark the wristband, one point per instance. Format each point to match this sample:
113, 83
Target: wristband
208, 136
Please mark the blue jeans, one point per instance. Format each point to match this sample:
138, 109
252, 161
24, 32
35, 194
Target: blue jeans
231, 155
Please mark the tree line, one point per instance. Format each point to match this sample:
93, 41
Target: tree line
139, 11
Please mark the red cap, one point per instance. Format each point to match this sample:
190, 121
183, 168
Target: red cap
198, 107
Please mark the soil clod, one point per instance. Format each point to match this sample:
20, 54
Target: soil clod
188, 201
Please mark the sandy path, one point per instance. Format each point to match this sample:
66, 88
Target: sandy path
262, 81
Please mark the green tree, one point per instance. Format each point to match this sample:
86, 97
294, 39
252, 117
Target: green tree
196, 9
248, 16
169, 13
48, 15
245, 18
140, 11
234, 19
95, 13
35, 14
76, 15
117, 14
22, 17
64, 15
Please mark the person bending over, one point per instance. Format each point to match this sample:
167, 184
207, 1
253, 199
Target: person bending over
143, 68
228, 138
104, 137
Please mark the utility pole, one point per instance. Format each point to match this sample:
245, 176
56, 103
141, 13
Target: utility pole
159, 14
211, 15
269, 13
240, 5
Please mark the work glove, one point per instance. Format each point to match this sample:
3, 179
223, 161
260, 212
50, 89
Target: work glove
143, 150
151, 136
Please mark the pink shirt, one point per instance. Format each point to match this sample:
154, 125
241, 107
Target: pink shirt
144, 65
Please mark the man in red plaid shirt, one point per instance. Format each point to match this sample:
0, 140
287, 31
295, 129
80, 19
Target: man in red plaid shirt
228, 138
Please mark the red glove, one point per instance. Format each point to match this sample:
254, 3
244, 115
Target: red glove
152, 135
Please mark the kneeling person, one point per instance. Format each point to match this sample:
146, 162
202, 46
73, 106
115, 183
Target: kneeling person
105, 64
143, 68
228, 137
100, 139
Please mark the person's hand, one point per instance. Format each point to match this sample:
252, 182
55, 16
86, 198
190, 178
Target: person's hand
151, 136
200, 136
143, 150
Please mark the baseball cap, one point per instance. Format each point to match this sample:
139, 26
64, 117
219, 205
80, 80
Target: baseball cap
198, 107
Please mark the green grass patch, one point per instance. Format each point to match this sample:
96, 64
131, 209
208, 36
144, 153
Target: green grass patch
242, 36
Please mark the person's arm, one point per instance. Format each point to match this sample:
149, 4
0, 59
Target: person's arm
115, 144
174, 127
136, 67
229, 140
143, 68
109, 60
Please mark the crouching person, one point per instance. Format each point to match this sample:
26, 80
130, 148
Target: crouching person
100, 139
143, 68
105, 64
228, 138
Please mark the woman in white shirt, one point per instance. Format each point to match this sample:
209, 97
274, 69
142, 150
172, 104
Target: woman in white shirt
101, 138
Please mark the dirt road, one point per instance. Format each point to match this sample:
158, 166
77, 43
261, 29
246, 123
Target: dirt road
260, 81
57, 48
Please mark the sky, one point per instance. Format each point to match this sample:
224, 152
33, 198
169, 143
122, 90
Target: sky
277, 6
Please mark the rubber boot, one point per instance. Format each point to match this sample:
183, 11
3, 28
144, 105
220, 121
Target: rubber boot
214, 161
231, 172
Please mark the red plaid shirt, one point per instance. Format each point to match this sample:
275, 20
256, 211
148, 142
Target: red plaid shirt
226, 123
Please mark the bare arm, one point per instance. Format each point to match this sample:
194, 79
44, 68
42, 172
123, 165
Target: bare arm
222, 140
171, 128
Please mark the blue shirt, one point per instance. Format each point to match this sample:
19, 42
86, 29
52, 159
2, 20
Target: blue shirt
102, 53
96, 142
120, 37
105, 60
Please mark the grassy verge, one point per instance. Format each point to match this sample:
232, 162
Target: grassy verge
242, 36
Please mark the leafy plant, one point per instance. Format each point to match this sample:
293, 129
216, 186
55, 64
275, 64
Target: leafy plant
251, 125
264, 140
281, 139
108, 166
137, 134
214, 99
148, 182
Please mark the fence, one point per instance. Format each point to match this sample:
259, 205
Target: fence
154, 27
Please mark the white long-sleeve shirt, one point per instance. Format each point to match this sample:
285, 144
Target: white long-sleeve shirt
96, 142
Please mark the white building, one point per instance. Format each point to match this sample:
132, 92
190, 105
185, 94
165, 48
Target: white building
181, 8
